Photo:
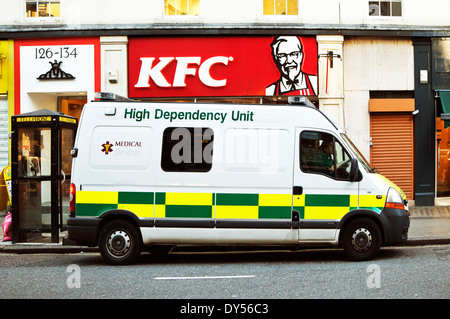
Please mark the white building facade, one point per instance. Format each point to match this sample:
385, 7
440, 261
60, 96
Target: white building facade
379, 69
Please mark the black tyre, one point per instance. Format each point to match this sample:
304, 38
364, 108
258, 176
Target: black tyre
361, 239
119, 242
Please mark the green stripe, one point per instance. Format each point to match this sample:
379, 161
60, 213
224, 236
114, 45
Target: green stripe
327, 200
274, 212
189, 211
237, 199
94, 210
160, 198
135, 198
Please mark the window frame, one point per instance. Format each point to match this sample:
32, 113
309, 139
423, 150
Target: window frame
44, 18
344, 152
280, 15
181, 16
168, 144
390, 16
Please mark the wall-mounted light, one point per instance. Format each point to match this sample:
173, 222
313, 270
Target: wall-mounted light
330, 55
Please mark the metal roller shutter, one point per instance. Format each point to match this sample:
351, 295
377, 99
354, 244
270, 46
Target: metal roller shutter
392, 148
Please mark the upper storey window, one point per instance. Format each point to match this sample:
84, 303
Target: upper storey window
391, 8
42, 8
181, 7
280, 7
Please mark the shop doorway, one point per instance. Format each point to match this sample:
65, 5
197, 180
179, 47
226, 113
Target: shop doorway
392, 148
72, 105
443, 159
392, 137
442, 103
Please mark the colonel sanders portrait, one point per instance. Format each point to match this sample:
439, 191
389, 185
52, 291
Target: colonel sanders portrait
287, 53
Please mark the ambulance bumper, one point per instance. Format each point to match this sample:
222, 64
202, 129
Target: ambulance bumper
83, 230
395, 224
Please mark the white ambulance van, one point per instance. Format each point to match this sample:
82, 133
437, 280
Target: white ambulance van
165, 174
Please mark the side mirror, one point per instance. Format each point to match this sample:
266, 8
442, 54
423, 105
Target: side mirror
355, 173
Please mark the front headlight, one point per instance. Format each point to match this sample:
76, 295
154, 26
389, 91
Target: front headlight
394, 199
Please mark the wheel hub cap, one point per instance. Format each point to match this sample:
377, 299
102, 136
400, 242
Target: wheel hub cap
119, 243
361, 239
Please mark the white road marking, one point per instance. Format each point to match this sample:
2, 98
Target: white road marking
204, 277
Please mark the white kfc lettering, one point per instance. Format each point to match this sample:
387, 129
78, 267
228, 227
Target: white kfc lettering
183, 70
204, 71
148, 70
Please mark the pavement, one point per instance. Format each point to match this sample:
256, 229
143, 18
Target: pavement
430, 225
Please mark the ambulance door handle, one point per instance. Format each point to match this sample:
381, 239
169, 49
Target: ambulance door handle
297, 190
295, 219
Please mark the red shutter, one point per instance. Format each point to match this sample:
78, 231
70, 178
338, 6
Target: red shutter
392, 150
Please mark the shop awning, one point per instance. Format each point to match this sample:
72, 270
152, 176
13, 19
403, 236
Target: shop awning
445, 102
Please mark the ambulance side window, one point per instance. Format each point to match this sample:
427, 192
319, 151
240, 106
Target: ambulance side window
321, 153
187, 149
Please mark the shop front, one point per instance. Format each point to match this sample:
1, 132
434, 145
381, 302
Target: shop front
53, 79
59, 74
432, 121
441, 91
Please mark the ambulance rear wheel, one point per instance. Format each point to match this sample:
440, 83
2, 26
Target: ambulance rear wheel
361, 239
119, 242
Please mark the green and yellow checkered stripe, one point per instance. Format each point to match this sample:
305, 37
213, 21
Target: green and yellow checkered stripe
186, 205
320, 206
223, 205
253, 206
95, 203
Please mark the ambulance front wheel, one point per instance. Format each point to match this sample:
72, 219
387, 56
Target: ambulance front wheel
361, 239
119, 242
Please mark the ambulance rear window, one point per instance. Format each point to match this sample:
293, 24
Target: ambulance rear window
187, 149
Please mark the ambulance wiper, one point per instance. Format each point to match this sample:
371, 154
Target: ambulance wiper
374, 170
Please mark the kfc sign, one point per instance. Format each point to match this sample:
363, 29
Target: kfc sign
152, 71
222, 66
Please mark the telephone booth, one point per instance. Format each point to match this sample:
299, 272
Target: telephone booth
41, 167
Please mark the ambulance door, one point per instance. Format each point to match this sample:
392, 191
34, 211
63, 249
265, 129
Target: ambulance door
322, 190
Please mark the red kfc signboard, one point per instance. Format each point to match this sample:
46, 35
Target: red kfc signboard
222, 66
